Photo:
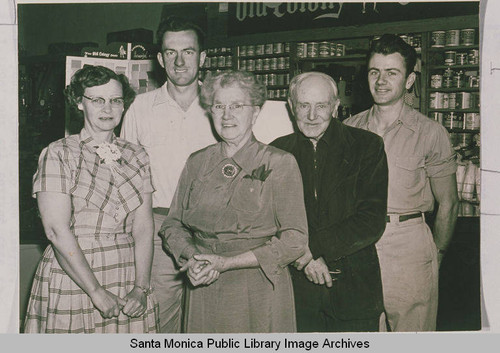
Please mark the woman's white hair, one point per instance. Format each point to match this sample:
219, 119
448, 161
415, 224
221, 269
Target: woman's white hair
297, 80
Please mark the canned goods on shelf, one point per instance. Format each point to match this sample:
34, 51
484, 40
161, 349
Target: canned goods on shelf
467, 36
463, 100
301, 50
287, 79
206, 64
229, 61
272, 79
223, 50
259, 49
312, 49
268, 48
450, 57
214, 62
452, 38
452, 100
287, 62
283, 93
274, 64
445, 101
278, 48
242, 49
250, 50
453, 120
265, 79
472, 121
281, 63
437, 81
243, 64
287, 47
221, 61
436, 100
259, 65
324, 49
473, 57
475, 103
270, 94
251, 65
340, 50
438, 39
333, 49
266, 64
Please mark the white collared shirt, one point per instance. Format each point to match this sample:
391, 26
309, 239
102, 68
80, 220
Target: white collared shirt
169, 135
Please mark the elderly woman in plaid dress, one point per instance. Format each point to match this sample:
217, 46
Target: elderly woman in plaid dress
94, 195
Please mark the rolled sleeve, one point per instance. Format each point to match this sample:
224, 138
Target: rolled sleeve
290, 241
53, 173
440, 159
145, 171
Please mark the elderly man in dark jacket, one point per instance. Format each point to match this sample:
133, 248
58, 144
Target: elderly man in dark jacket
337, 283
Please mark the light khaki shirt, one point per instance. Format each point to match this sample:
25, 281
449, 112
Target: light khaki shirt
417, 149
169, 135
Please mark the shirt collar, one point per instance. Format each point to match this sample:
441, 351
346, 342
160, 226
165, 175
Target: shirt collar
407, 118
87, 140
246, 157
163, 96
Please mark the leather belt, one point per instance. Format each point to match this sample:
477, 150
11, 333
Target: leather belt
161, 210
404, 217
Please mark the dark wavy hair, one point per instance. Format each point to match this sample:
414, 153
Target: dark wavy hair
391, 43
177, 24
90, 76
247, 81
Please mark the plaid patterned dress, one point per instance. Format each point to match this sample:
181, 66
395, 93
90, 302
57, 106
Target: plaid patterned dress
103, 201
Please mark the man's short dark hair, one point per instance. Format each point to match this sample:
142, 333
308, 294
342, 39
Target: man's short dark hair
390, 44
178, 24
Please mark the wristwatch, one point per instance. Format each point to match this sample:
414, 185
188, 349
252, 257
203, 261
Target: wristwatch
145, 290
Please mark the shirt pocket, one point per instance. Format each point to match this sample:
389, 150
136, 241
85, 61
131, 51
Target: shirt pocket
193, 194
410, 171
247, 196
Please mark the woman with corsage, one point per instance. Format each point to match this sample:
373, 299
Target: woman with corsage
94, 195
237, 219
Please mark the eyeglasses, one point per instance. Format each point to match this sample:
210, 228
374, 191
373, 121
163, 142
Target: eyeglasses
235, 108
306, 107
99, 102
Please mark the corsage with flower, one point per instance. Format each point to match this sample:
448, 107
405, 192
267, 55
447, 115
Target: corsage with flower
109, 153
260, 173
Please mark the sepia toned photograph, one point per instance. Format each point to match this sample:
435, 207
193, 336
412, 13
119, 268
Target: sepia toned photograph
249, 167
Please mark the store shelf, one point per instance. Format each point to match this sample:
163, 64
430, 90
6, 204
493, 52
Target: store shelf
459, 47
444, 67
471, 110
264, 56
463, 131
357, 57
277, 71
455, 89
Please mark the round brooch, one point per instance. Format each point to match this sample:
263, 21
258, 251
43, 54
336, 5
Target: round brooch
229, 170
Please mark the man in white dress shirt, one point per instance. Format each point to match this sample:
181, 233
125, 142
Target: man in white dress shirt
170, 123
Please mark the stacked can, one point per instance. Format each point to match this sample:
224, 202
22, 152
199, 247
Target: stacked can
452, 38
312, 49
467, 36
301, 50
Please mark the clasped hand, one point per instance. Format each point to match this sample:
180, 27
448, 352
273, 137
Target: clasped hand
315, 270
203, 269
110, 305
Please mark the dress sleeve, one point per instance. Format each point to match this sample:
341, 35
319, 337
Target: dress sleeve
440, 159
53, 173
177, 239
145, 171
290, 241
